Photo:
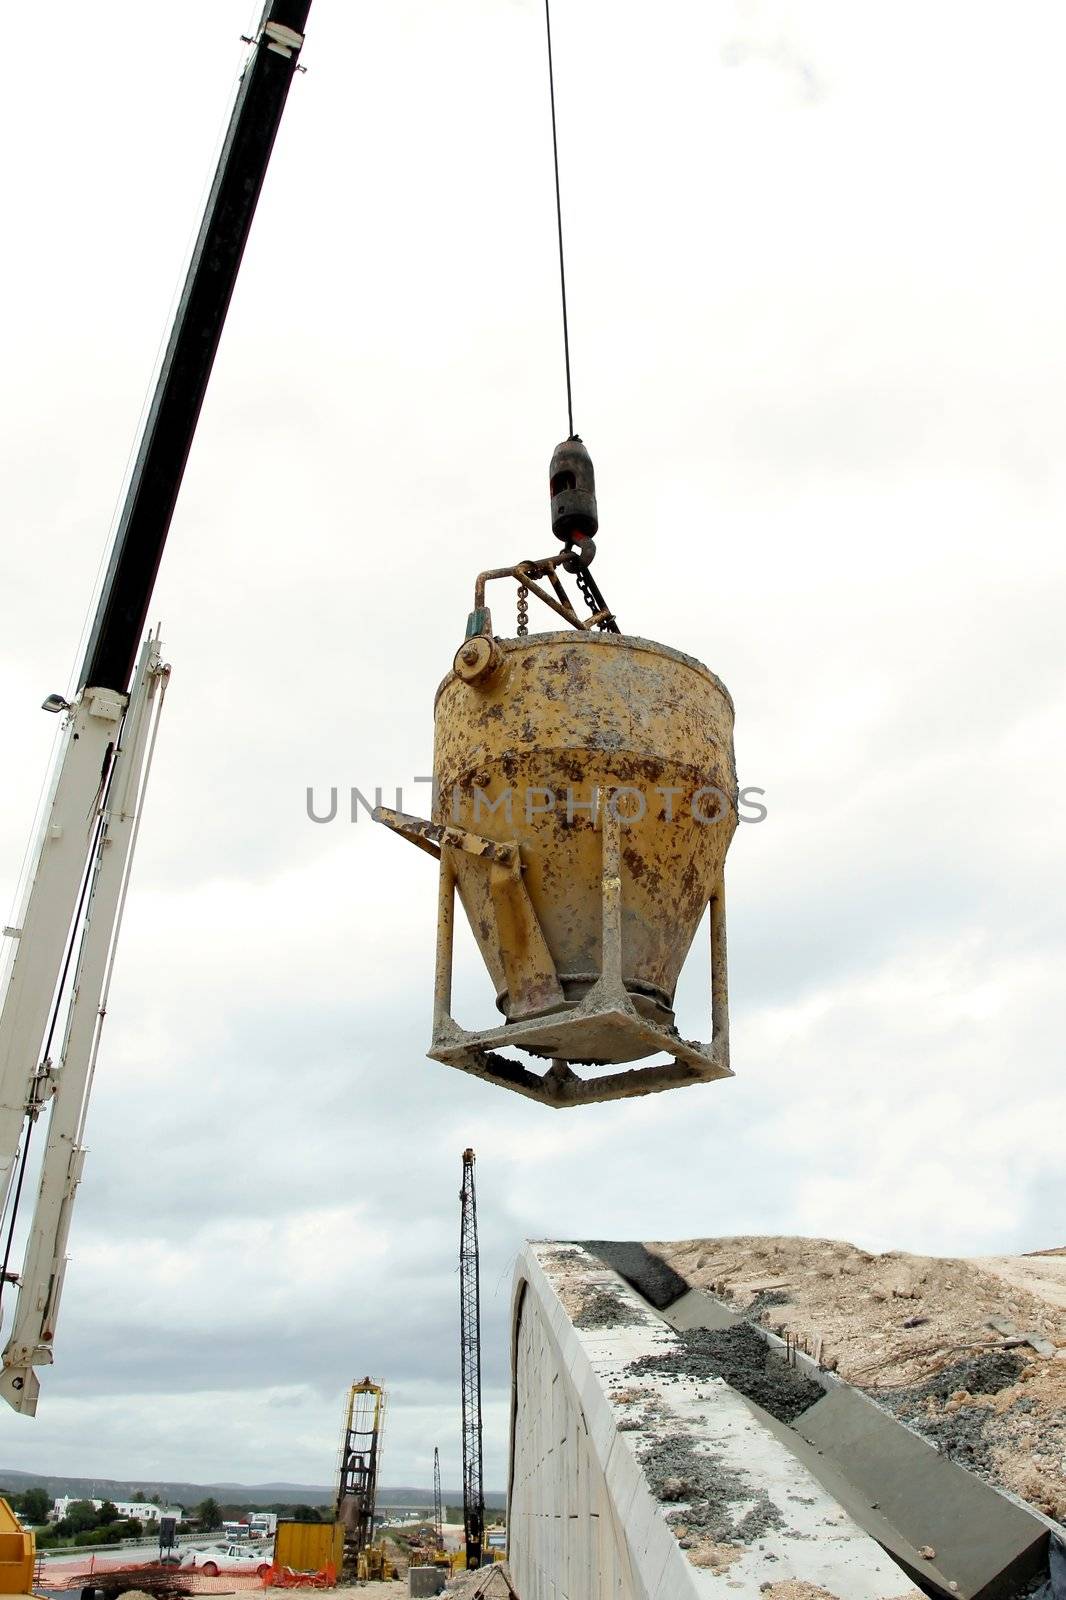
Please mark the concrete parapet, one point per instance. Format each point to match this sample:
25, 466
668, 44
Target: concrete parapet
596, 1507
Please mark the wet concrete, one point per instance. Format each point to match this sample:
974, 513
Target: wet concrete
742, 1357
717, 1501
651, 1277
604, 1307
982, 1374
962, 1434
764, 1301
984, 1547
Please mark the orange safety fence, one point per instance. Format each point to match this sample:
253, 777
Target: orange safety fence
154, 1578
287, 1578
225, 1583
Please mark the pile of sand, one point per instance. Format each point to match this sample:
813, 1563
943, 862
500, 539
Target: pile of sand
941, 1341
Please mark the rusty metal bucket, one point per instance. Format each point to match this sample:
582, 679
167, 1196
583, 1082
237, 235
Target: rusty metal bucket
585, 800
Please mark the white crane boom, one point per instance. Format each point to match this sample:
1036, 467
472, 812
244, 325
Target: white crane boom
83, 858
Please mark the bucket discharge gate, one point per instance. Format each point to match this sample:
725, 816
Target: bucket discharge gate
585, 796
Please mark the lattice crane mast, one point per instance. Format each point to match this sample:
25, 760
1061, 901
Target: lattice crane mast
470, 1347
438, 1508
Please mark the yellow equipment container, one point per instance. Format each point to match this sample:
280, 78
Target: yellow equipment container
18, 1553
585, 799
309, 1546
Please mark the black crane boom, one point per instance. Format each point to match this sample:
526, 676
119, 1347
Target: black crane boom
163, 451
470, 1344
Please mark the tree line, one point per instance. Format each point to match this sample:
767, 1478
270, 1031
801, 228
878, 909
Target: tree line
209, 1514
84, 1524
29, 1505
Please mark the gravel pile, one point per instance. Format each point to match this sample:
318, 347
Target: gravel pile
965, 1432
603, 1308
490, 1583
744, 1359
986, 1373
712, 1499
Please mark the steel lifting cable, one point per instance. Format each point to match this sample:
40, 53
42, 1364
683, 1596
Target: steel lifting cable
559, 220
590, 589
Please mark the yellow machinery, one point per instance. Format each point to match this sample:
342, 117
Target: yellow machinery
374, 1566
585, 796
18, 1553
364, 1425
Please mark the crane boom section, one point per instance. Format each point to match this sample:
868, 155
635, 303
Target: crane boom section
159, 464
80, 860
65, 1081
41, 934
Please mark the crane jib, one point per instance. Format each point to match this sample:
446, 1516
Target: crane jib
78, 873
163, 450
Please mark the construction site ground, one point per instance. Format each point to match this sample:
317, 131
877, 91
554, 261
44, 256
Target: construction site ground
943, 1342
394, 1587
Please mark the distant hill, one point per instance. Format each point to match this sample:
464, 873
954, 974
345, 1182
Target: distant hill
239, 1494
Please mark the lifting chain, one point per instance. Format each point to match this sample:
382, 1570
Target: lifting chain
586, 592
523, 611
592, 598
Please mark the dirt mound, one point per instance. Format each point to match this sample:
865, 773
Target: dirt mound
943, 1342
490, 1583
1043, 1273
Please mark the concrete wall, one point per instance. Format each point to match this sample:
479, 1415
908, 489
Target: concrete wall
583, 1521
565, 1538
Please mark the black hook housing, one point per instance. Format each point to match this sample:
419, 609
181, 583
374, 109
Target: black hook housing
573, 492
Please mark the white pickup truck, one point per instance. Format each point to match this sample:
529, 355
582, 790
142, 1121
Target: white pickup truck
215, 1558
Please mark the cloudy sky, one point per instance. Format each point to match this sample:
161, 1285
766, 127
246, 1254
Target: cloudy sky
816, 256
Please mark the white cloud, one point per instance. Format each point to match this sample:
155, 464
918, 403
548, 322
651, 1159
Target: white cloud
815, 353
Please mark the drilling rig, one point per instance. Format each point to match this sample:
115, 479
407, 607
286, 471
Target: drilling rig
470, 1348
438, 1508
364, 1424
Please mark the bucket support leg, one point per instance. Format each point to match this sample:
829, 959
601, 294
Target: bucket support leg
719, 979
611, 882
606, 1006
442, 988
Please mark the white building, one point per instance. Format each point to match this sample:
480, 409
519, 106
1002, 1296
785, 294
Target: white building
145, 1510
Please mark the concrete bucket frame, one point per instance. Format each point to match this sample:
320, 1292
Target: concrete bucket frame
585, 797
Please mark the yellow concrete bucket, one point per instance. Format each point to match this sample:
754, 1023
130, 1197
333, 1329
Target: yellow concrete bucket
585, 800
